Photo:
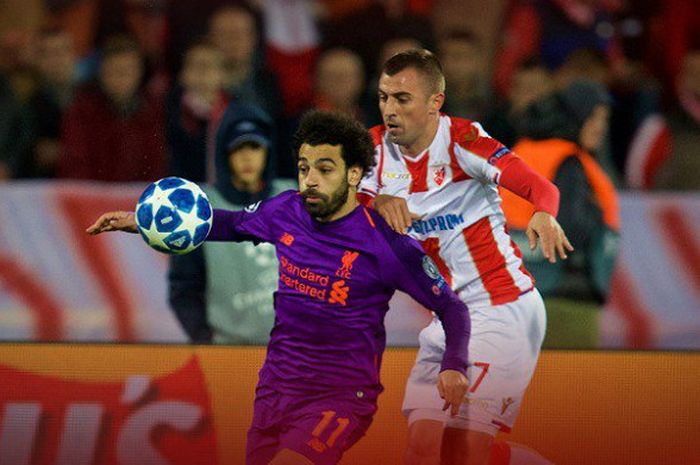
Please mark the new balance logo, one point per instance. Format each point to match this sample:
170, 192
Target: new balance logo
287, 239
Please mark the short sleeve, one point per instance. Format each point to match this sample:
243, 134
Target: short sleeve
478, 154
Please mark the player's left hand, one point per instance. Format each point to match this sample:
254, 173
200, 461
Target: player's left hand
452, 386
552, 238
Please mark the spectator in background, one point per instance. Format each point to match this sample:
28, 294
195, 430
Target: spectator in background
364, 26
194, 110
531, 82
468, 93
222, 293
553, 30
677, 34
56, 61
561, 134
114, 131
583, 63
234, 31
681, 170
15, 132
339, 83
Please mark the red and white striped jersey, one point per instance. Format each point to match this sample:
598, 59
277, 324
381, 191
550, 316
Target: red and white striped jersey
453, 186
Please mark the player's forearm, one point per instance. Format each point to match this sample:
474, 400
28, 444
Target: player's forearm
457, 324
520, 179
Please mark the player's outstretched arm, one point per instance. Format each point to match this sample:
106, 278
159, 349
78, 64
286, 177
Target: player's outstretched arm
114, 221
395, 212
552, 238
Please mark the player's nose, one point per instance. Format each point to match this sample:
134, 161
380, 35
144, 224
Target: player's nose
311, 179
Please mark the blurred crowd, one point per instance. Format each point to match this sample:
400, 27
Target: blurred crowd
128, 90
597, 95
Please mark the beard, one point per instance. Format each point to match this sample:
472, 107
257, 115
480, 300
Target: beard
328, 205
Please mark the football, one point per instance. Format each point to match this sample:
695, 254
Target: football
173, 215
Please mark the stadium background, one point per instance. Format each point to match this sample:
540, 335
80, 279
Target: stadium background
617, 383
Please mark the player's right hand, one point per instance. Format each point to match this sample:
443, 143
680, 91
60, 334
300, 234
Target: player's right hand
114, 221
452, 386
395, 211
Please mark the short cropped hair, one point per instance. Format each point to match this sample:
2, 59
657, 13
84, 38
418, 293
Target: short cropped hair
423, 61
333, 128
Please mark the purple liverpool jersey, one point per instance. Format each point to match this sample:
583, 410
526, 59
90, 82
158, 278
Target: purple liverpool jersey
335, 282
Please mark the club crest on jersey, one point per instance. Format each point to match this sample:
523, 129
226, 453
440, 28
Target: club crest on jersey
471, 135
346, 261
438, 174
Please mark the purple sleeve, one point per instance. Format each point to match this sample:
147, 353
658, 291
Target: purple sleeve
254, 223
417, 275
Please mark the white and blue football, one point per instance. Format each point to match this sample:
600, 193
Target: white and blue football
174, 215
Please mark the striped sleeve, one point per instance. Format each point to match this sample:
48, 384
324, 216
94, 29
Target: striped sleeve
477, 153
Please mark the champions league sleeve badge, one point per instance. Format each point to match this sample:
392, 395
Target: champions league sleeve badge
431, 269
252, 207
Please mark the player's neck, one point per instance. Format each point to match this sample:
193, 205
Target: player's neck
423, 142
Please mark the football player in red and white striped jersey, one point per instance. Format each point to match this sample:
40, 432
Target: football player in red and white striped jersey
437, 179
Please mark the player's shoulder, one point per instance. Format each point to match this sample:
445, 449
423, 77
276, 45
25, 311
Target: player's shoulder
275, 202
400, 244
290, 196
471, 136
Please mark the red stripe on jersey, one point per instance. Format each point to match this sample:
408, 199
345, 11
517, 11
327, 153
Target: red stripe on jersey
466, 135
431, 246
419, 173
460, 130
377, 133
490, 263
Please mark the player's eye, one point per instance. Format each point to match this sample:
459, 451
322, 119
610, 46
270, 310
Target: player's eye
382, 97
303, 169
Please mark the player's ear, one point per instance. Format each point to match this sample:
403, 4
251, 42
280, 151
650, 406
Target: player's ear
354, 175
436, 102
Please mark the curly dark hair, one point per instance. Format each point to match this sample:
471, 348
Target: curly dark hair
332, 128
